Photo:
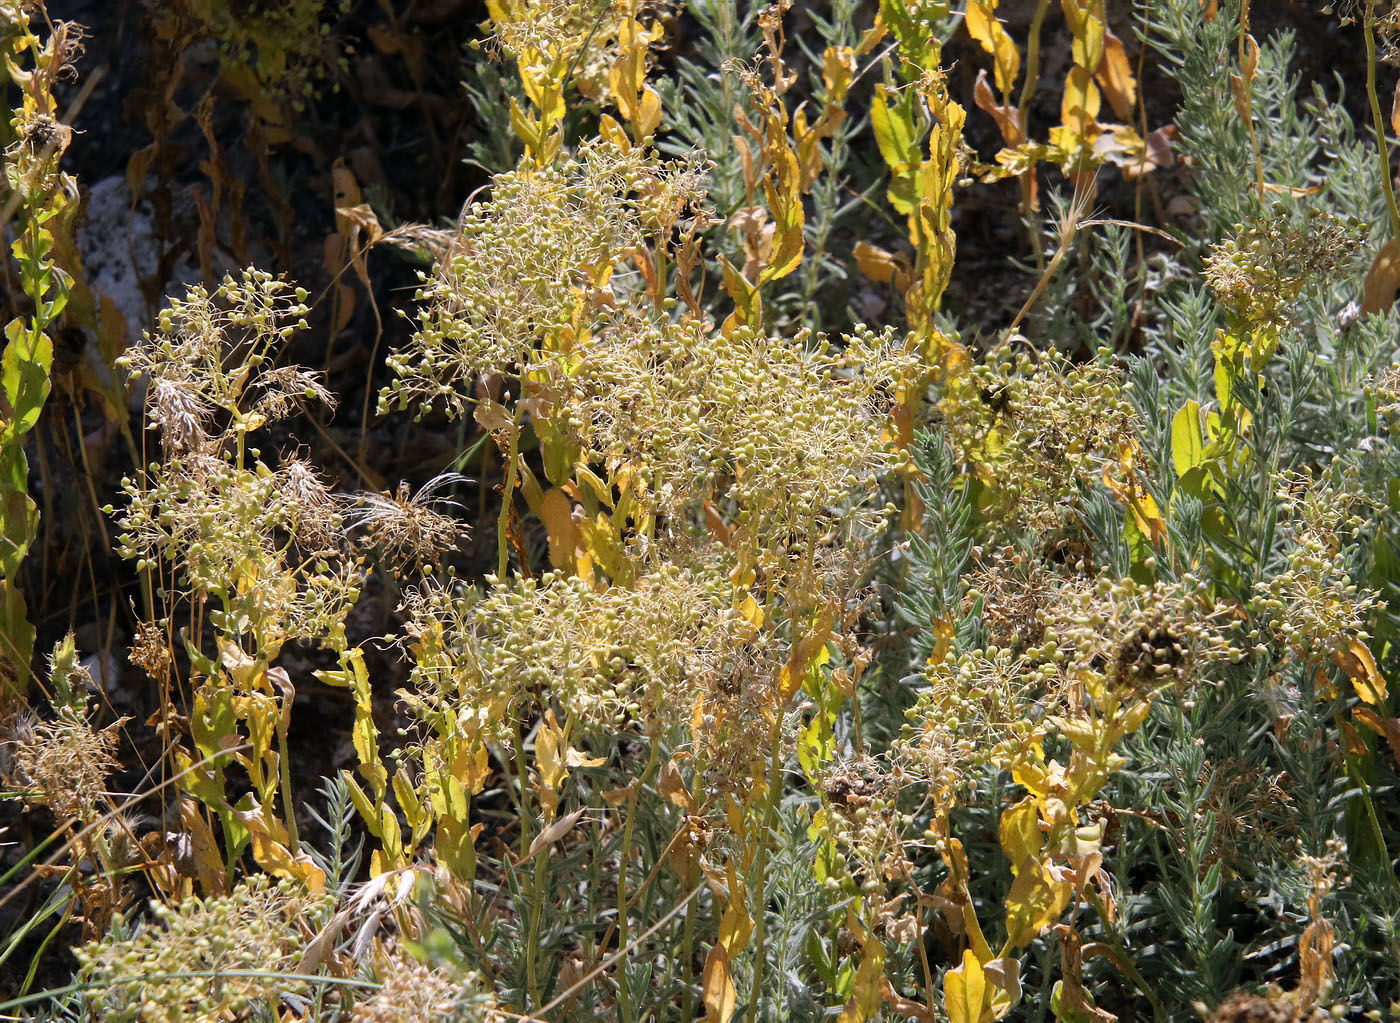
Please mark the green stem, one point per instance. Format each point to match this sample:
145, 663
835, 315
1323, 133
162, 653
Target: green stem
760, 914
507, 489
284, 770
624, 1000
1023, 105
687, 956
536, 912
1023, 120
1377, 123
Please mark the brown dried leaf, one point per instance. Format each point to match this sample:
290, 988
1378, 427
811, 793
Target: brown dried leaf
1382, 280
1004, 113
1387, 727
1115, 77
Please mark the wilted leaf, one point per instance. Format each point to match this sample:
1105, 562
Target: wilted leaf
1034, 901
965, 992
1360, 666
866, 993
1115, 76
1387, 727
717, 987
1003, 113
671, 786
1382, 280
984, 27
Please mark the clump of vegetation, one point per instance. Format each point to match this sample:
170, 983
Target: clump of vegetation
705, 599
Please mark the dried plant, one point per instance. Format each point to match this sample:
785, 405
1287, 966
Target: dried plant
640, 653
64, 762
407, 528
1035, 430
980, 667
203, 959
532, 269
411, 991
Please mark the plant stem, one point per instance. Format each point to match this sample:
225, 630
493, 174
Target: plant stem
760, 914
507, 490
536, 911
1377, 123
686, 957
284, 770
624, 1001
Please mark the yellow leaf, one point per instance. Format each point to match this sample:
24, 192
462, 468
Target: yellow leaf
550, 764
965, 992
735, 925
1035, 899
1366, 678
983, 26
944, 632
1115, 75
783, 193
648, 113
1081, 102
717, 987
1188, 440
838, 69
790, 678
1387, 727
270, 852
1086, 23
1004, 113
455, 847
748, 306
526, 128
606, 548
204, 848
751, 612
1021, 837
556, 512
882, 266
1382, 280
577, 758
671, 787
866, 991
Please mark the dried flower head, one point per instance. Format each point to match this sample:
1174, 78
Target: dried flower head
63, 762
531, 268
1035, 430
315, 522
240, 942
1314, 604
860, 815
1139, 637
784, 437
151, 652
578, 36
642, 651
407, 528
1013, 589
256, 538
412, 992
1269, 263
978, 708
988, 705
209, 362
